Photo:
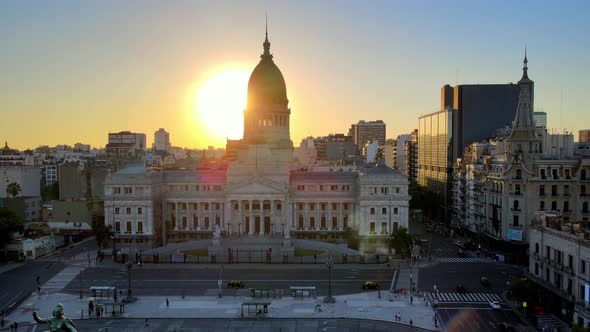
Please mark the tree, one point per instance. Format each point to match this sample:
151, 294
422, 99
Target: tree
401, 241
9, 223
13, 189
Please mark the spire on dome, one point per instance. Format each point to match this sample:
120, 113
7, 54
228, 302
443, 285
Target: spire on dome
266, 44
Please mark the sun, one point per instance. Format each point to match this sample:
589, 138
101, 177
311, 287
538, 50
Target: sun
220, 102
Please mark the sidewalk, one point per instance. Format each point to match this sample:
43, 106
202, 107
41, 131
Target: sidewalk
362, 305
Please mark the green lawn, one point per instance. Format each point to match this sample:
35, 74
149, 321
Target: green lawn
307, 252
196, 252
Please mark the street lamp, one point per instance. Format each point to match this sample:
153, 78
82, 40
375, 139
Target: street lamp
129, 266
329, 298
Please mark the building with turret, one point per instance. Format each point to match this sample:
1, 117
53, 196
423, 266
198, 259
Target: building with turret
502, 183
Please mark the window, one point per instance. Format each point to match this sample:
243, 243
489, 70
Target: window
139, 210
543, 174
583, 174
372, 227
542, 205
128, 228
128, 210
323, 206
384, 190
321, 187
554, 173
585, 207
517, 189
518, 174
548, 252
536, 247
566, 206
334, 206
394, 210
197, 188
334, 223
118, 227
570, 261
345, 206
516, 205
554, 190
333, 188
372, 210
383, 228
128, 190
397, 190
117, 210
554, 206
515, 221
582, 190
583, 266
312, 222
383, 210
536, 269
116, 190
139, 227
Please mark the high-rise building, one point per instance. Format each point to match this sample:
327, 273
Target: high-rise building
400, 156
540, 119
367, 132
435, 157
469, 113
584, 136
161, 140
125, 144
479, 110
411, 156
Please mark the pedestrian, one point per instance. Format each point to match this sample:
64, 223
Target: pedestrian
411, 323
399, 316
15, 326
146, 323
167, 303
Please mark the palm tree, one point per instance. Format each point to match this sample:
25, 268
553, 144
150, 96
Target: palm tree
13, 189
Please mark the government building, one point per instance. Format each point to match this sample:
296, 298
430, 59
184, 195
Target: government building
258, 192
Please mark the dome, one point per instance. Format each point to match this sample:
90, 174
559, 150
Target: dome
266, 85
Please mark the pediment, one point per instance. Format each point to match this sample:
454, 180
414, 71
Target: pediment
257, 185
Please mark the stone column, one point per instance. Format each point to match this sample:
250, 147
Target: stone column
227, 216
240, 217
176, 214
306, 214
329, 219
210, 213
251, 217
261, 219
273, 227
318, 221
189, 216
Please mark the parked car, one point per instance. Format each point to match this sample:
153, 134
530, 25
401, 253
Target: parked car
461, 288
484, 281
370, 285
495, 305
235, 284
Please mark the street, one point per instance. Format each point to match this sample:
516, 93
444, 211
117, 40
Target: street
21, 281
202, 280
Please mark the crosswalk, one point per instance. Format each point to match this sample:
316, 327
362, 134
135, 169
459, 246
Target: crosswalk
464, 260
61, 280
463, 297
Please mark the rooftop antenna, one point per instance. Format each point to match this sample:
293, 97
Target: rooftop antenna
561, 108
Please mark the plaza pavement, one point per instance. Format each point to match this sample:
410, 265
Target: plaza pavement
362, 306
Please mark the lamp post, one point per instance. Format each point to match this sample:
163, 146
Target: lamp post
329, 298
129, 266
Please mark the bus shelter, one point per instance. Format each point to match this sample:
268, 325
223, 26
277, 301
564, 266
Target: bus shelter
303, 292
101, 292
262, 292
259, 309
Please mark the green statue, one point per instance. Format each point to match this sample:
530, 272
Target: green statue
57, 323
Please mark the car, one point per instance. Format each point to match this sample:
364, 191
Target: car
370, 285
495, 305
235, 284
484, 281
461, 288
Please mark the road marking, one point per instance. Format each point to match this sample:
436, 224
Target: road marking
254, 280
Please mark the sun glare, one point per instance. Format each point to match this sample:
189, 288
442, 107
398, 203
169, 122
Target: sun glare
220, 102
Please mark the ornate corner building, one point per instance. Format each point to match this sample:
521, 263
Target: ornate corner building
257, 193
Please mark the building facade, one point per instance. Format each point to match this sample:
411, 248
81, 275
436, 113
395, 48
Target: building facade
260, 191
161, 140
365, 132
540, 119
500, 184
125, 144
584, 136
559, 261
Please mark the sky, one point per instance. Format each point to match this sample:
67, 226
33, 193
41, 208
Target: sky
73, 71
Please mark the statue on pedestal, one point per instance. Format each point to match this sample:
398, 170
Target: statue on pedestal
217, 232
57, 323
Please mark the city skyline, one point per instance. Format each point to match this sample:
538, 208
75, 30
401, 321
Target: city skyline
338, 72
